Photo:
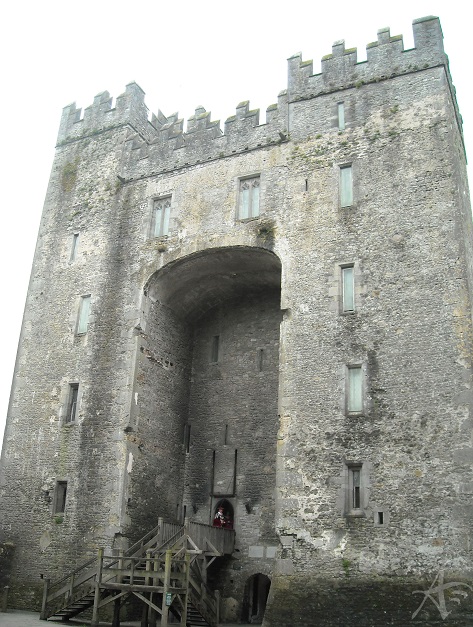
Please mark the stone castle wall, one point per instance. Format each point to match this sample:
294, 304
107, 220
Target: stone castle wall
271, 283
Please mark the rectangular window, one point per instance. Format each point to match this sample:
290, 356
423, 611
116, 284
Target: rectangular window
341, 116
72, 403
60, 497
346, 186
248, 204
75, 242
355, 390
84, 310
348, 289
162, 212
354, 487
214, 353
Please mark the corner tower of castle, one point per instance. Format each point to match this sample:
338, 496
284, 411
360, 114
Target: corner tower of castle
272, 318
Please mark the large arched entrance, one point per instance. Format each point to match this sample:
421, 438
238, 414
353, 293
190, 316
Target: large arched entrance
206, 391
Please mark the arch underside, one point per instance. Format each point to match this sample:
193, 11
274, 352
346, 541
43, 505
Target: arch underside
193, 285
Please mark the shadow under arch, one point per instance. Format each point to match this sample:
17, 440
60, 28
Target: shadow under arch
195, 420
194, 284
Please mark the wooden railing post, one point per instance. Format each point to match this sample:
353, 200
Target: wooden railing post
148, 568
120, 566
98, 580
132, 571
167, 581
187, 567
160, 531
71, 585
46, 582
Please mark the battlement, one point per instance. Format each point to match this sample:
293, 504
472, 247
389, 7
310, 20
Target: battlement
161, 142
386, 58
99, 116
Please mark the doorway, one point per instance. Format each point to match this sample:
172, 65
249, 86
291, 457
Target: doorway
256, 593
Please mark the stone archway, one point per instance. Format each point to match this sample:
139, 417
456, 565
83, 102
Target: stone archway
205, 417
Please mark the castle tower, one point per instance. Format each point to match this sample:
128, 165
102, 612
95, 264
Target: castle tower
274, 319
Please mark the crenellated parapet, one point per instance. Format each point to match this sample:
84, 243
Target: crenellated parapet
129, 109
203, 139
386, 58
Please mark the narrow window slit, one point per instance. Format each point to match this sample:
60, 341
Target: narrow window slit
260, 359
214, 355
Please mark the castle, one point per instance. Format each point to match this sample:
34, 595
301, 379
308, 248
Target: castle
271, 323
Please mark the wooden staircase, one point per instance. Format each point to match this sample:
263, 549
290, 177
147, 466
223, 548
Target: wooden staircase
166, 570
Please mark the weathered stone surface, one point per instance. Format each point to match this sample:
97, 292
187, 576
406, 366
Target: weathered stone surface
164, 427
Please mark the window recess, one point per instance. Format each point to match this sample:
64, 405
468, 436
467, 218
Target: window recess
60, 497
71, 412
354, 505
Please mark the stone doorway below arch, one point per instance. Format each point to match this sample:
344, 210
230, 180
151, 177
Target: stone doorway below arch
256, 596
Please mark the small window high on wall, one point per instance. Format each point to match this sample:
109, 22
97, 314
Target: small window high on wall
346, 186
341, 116
354, 390
162, 213
248, 200
74, 245
348, 289
84, 311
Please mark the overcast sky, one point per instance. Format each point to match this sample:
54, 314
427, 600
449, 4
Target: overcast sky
182, 54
